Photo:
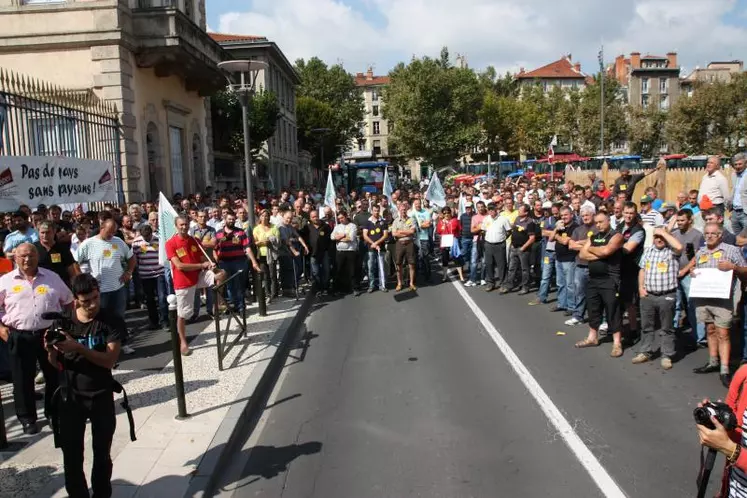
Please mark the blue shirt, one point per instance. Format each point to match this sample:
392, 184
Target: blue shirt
737, 198
422, 216
15, 239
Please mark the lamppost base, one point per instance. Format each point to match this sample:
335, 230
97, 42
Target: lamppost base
183, 417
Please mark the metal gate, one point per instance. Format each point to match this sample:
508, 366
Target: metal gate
41, 119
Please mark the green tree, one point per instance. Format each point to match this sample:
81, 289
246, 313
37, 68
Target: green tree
228, 126
327, 98
615, 120
647, 130
435, 107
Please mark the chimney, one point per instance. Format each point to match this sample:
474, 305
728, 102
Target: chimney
672, 58
577, 67
369, 73
359, 75
521, 70
635, 60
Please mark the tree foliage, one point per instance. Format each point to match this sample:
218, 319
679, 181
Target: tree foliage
327, 98
435, 108
228, 126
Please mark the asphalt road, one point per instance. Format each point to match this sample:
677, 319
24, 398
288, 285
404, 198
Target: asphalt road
407, 395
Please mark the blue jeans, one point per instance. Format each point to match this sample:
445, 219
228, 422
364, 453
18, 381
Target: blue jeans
154, 295
115, 302
580, 279
738, 222
466, 246
376, 270
168, 278
209, 302
697, 329
565, 279
548, 265
424, 263
237, 285
320, 271
475, 260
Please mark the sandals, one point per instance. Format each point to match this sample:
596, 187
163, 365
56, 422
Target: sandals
398, 288
587, 343
617, 351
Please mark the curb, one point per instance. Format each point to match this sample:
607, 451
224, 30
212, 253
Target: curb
242, 416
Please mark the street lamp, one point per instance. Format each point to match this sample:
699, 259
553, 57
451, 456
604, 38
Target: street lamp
322, 132
242, 76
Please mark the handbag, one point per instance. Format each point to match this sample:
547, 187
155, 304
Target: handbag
456, 251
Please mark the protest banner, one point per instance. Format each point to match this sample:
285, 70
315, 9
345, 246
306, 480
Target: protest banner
34, 180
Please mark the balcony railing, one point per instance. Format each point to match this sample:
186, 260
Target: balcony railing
156, 4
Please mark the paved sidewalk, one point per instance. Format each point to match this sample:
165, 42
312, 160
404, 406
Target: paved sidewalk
167, 452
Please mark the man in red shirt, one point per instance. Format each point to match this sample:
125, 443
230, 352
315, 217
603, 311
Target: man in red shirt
190, 270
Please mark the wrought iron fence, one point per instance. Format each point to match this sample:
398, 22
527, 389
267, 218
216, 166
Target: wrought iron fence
38, 118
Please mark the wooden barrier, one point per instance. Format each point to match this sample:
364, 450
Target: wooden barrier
669, 182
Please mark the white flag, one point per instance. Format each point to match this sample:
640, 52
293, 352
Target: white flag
166, 227
329, 193
462, 202
435, 193
387, 188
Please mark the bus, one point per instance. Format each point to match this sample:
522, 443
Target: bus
364, 176
614, 162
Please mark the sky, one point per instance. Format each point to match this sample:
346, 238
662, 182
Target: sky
507, 34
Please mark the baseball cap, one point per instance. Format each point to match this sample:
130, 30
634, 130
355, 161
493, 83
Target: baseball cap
666, 206
468, 204
547, 205
646, 199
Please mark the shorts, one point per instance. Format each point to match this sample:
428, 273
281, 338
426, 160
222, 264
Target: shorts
719, 312
603, 300
185, 298
404, 251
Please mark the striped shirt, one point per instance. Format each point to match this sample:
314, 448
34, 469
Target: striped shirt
737, 476
107, 260
653, 218
661, 267
204, 235
231, 246
16, 238
147, 257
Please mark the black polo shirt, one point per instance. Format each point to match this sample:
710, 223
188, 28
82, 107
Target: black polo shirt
318, 238
523, 229
376, 229
563, 253
58, 259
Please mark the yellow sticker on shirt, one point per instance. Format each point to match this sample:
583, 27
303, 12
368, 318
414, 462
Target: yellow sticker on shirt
181, 252
321, 234
547, 260
56, 257
143, 249
521, 229
648, 265
589, 233
114, 248
623, 187
42, 289
107, 253
235, 240
542, 224
717, 255
194, 248
662, 267
17, 289
703, 259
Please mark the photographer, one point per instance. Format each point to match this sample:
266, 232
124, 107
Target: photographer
730, 443
84, 358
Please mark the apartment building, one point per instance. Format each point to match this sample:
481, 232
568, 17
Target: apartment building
714, 71
563, 73
151, 59
278, 164
648, 79
375, 129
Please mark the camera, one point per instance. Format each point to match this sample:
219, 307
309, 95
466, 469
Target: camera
55, 333
721, 411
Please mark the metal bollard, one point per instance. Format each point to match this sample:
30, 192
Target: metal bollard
259, 291
181, 402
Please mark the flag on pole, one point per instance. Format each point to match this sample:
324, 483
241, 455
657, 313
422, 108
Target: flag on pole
166, 227
329, 193
462, 202
387, 188
435, 193
551, 149
270, 182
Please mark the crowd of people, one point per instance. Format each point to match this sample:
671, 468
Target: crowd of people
620, 264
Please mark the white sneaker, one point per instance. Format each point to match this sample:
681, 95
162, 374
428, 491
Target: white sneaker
39, 378
469, 283
603, 327
572, 321
127, 349
483, 282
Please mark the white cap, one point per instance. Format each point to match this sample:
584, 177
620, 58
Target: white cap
546, 205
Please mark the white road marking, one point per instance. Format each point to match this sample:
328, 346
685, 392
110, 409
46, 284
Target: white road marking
598, 473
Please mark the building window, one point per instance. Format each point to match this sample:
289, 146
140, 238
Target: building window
375, 94
377, 147
644, 85
198, 165
663, 85
644, 100
189, 9
177, 165
55, 136
361, 144
376, 130
375, 110
664, 102
389, 127
156, 173
32, 2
